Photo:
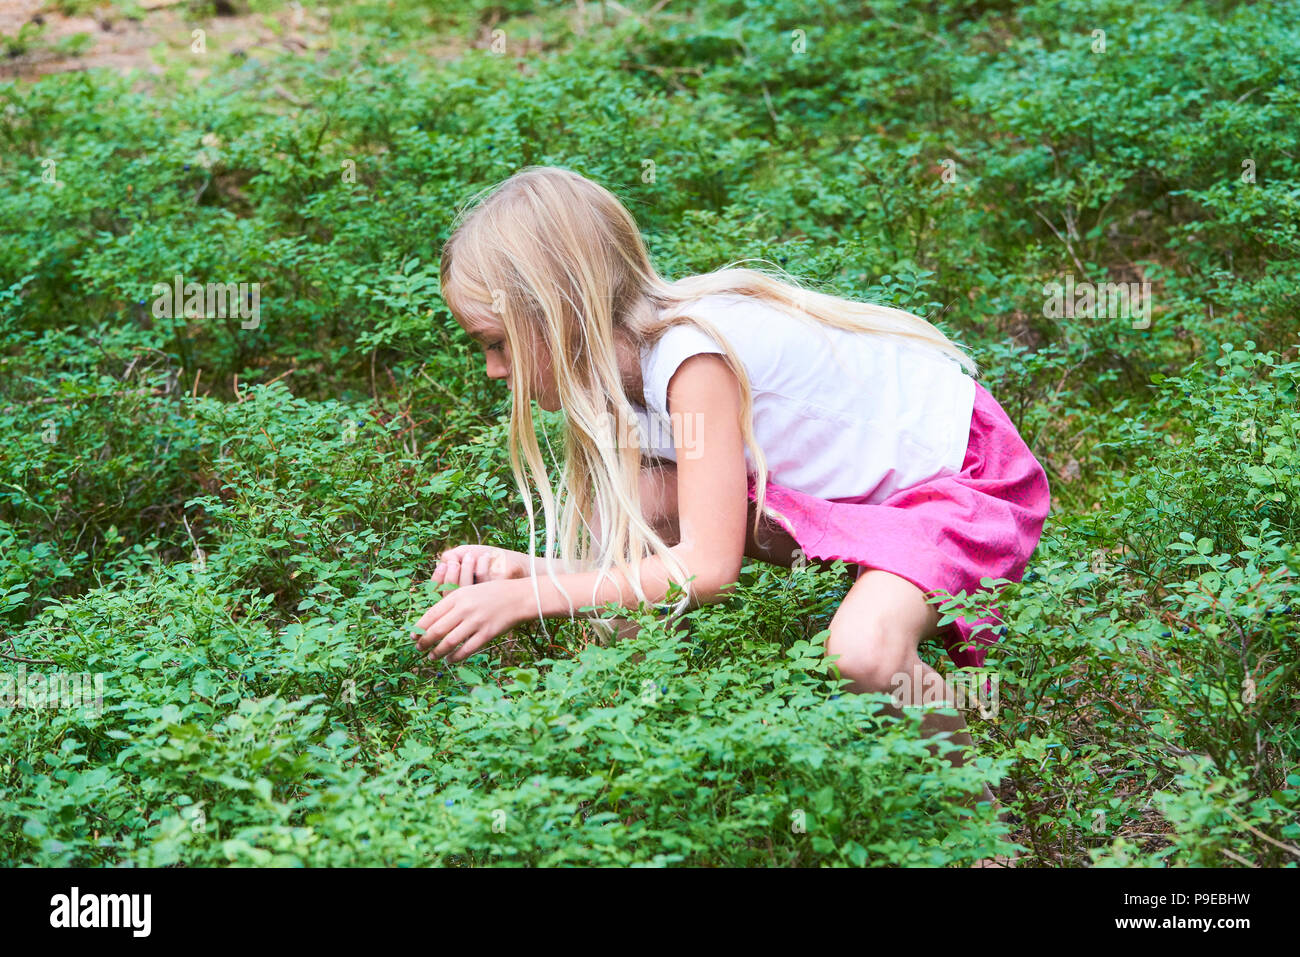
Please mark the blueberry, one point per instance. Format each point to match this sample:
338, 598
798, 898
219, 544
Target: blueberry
450, 802
1164, 634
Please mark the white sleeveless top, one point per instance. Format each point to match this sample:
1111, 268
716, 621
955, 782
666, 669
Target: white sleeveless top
837, 414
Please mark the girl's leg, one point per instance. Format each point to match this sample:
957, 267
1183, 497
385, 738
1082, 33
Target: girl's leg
876, 632
659, 506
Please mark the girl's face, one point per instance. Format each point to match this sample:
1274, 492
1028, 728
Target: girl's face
491, 335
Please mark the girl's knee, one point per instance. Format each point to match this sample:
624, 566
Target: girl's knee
874, 655
658, 489
659, 500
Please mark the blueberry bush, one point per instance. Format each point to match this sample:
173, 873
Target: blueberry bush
230, 526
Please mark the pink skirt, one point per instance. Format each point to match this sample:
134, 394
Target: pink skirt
942, 535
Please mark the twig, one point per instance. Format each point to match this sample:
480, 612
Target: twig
1140, 720
631, 13
1260, 834
189, 532
914, 29
1070, 249
27, 661
284, 94
665, 71
46, 400
767, 97
1236, 857
433, 382
625, 11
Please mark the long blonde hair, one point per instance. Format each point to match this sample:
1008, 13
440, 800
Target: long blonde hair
560, 262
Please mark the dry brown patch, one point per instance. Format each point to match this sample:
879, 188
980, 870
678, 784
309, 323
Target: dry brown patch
120, 43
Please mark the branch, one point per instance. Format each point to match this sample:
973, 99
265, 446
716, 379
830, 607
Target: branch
1070, 249
47, 400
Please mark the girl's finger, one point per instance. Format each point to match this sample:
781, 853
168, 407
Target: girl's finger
468, 648
425, 621
430, 626
424, 640
467, 571
458, 634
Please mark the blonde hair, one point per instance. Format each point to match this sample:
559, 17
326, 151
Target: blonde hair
560, 262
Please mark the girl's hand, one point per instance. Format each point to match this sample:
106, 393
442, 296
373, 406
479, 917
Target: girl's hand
468, 618
468, 564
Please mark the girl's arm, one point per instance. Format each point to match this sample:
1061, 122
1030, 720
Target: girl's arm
711, 499
712, 504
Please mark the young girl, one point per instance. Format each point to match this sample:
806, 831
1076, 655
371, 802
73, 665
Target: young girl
724, 416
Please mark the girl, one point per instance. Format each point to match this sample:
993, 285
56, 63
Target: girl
724, 416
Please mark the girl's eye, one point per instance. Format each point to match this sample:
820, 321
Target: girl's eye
496, 347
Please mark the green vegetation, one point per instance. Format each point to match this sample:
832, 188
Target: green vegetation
234, 523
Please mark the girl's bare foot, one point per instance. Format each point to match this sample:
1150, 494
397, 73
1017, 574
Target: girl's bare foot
997, 860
